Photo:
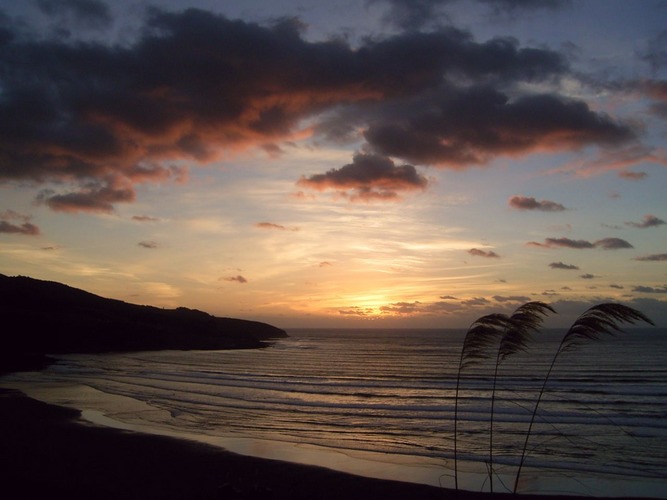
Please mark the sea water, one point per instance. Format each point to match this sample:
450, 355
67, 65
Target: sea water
388, 398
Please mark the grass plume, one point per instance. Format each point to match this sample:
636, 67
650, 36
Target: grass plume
518, 330
591, 326
480, 337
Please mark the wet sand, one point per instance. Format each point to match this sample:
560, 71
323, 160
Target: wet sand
48, 451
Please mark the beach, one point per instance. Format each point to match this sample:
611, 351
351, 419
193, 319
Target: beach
49, 451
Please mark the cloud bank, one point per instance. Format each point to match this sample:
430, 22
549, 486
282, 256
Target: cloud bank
89, 122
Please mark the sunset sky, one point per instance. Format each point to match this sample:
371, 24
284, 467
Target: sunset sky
362, 163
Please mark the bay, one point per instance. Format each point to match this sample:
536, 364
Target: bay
390, 394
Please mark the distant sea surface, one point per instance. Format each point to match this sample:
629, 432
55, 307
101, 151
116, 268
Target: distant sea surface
604, 411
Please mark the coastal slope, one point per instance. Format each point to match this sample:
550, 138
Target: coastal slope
46, 317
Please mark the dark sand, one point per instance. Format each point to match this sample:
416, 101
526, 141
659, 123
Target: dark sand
48, 452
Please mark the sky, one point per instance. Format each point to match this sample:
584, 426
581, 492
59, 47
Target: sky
362, 163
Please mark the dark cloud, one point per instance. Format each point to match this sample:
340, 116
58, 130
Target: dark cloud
483, 253
271, 225
561, 265
357, 311
148, 244
460, 127
448, 297
656, 53
648, 221
653, 258
530, 203
656, 89
605, 243
368, 177
12, 222
92, 13
420, 308
612, 244
562, 242
144, 218
96, 197
95, 120
415, 14
412, 14
587, 276
511, 298
476, 301
633, 176
513, 6
618, 287
403, 308
237, 279
649, 289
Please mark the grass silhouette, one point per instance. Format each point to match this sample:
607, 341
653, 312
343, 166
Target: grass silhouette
512, 334
591, 326
477, 344
523, 322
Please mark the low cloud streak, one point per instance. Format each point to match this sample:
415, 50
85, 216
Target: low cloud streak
530, 203
604, 243
490, 254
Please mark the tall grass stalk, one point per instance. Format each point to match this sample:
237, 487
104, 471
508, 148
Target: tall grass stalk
481, 335
515, 337
592, 325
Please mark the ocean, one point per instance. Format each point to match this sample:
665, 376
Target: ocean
384, 400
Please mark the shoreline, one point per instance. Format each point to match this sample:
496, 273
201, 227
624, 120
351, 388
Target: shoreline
51, 449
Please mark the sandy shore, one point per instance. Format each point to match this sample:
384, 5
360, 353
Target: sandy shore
49, 451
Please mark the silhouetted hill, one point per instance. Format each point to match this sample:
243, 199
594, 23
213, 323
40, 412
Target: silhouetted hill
42, 317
